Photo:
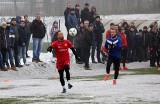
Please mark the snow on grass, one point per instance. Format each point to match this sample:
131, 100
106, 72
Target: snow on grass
130, 89
35, 84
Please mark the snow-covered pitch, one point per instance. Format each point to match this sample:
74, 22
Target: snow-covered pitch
38, 83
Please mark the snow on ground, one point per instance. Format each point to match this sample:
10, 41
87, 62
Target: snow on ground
35, 84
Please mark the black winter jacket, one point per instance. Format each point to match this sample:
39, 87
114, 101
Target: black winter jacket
66, 12
153, 40
145, 36
23, 36
7, 37
85, 15
87, 38
38, 29
98, 31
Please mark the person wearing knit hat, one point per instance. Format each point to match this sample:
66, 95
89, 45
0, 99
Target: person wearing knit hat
97, 17
2, 66
8, 38
3, 23
86, 4
16, 55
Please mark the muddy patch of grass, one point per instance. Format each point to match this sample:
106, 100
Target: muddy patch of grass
7, 88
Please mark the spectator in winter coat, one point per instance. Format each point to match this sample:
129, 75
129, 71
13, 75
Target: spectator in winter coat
72, 23
8, 40
145, 36
131, 44
78, 42
97, 39
78, 15
139, 46
87, 43
53, 30
2, 67
15, 27
85, 13
18, 20
154, 45
66, 12
124, 47
39, 30
23, 39
126, 27
108, 33
28, 28
72, 19
93, 14
133, 26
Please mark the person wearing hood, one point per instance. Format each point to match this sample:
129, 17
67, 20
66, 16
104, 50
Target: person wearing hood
28, 28
53, 30
66, 12
22, 42
16, 57
97, 39
18, 20
8, 39
39, 30
72, 22
85, 15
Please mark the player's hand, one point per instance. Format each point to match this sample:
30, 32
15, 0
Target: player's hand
49, 49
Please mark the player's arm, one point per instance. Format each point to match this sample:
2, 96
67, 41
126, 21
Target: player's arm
49, 49
75, 53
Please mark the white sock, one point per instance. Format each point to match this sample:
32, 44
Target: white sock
63, 86
68, 81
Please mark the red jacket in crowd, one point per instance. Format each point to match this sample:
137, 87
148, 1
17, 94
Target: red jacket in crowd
124, 40
108, 34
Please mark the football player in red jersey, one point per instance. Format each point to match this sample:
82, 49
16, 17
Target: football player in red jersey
63, 59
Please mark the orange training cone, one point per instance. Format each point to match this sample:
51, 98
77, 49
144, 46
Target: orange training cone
5, 81
158, 69
55, 77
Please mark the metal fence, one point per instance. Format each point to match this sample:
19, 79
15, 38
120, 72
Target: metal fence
57, 7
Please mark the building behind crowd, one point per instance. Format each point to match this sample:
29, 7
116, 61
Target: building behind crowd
57, 7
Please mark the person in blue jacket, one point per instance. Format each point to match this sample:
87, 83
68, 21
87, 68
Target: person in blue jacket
72, 22
114, 47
